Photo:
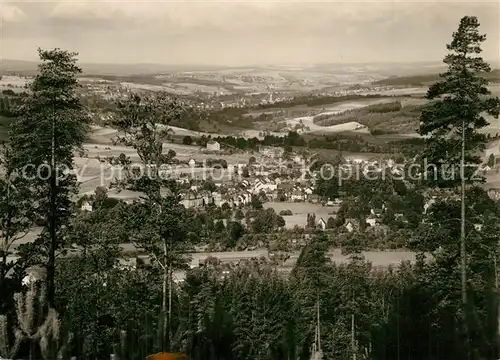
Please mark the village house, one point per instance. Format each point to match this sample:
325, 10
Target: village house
397, 171
351, 225
377, 212
34, 274
265, 185
182, 180
494, 193
190, 199
321, 223
429, 203
217, 198
193, 198
261, 172
240, 168
297, 195
272, 195
86, 206
400, 217
271, 151
379, 229
213, 146
390, 163
372, 220
237, 199
245, 198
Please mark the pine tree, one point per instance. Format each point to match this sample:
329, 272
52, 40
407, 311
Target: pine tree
460, 98
51, 124
491, 160
452, 123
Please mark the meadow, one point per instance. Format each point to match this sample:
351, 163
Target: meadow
300, 211
389, 118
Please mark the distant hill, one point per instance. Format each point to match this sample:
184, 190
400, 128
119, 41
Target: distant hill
29, 68
423, 80
378, 69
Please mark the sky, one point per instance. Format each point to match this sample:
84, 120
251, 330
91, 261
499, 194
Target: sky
241, 32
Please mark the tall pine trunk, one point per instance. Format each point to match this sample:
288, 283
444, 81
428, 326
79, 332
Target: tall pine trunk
497, 293
463, 253
164, 300
169, 327
353, 338
52, 222
54, 105
462, 221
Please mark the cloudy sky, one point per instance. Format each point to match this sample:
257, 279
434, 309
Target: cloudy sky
240, 32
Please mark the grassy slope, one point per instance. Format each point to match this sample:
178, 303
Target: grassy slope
388, 118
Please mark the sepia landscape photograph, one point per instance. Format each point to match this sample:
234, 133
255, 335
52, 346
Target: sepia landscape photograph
249, 180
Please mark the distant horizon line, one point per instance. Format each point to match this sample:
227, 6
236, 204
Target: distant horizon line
245, 65
103, 68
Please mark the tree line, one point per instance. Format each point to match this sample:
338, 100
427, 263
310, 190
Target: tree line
339, 142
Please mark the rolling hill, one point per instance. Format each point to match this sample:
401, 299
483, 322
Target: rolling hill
427, 79
423, 80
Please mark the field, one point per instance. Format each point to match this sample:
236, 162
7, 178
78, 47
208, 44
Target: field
16, 83
398, 116
92, 172
300, 211
308, 125
394, 117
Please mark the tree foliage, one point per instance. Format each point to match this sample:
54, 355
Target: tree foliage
463, 99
